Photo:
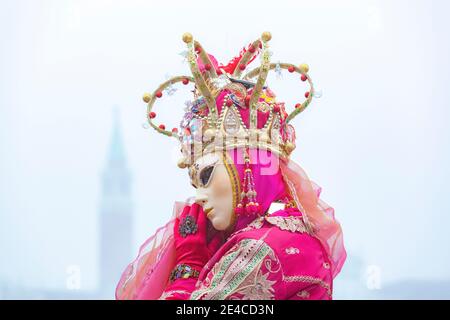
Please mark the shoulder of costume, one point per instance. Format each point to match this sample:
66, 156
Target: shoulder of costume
287, 221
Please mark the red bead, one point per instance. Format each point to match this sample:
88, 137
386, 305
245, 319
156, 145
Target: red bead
185, 81
174, 130
159, 94
304, 77
260, 45
187, 131
229, 103
162, 127
247, 101
298, 105
198, 49
252, 49
291, 69
306, 94
152, 115
276, 108
242, 67
207, 67
250, 208
219, 72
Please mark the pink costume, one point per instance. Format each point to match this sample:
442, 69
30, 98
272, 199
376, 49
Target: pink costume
293, 253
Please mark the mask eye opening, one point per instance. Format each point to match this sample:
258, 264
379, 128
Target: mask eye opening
205, 175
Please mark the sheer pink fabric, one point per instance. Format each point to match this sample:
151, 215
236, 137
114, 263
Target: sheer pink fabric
320, 215
147, 275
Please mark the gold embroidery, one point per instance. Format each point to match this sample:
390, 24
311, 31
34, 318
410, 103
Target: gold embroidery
239, 272
308, 279
290, 223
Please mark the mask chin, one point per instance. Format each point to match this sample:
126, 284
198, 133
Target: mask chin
220, 222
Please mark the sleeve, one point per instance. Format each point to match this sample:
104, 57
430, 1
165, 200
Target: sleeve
250, 270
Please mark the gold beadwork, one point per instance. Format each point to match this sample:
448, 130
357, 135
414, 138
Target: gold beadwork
187, 37
147, 97
182, 163
266, 36
289, 147
304, 68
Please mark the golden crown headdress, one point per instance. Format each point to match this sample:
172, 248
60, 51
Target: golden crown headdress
229, 110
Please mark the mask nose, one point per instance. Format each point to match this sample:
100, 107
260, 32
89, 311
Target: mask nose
200, 197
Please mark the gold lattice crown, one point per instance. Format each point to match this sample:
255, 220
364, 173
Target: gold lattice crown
229, 109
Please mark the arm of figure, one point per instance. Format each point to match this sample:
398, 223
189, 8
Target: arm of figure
193, 252
249, 270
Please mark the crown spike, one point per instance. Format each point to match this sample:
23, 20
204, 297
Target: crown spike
263, 70
205, 59
198, 77
248, 55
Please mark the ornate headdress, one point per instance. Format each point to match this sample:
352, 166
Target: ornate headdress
229, 110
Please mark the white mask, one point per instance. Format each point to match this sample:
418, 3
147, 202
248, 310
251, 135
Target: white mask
214, 189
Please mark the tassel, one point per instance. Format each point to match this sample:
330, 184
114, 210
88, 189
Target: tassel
248, 203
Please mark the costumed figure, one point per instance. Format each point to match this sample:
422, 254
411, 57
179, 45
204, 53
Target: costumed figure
257, 228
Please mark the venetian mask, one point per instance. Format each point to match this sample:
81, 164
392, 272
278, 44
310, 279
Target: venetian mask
214, 190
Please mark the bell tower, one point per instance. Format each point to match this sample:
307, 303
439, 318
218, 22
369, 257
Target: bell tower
116, 214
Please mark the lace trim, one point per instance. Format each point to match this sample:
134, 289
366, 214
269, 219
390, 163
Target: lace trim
309, 279
290, 223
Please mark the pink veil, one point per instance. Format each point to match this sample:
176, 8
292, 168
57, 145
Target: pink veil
149, 272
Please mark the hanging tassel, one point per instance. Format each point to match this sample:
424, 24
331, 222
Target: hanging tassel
248, 203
